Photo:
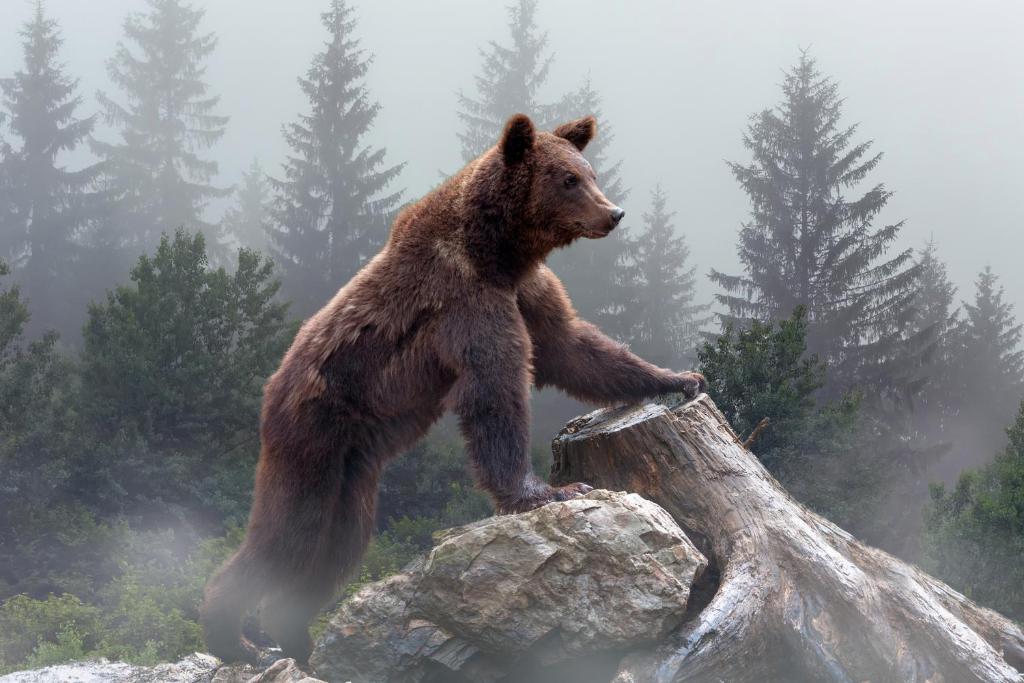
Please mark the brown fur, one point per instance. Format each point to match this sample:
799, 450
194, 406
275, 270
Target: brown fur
457, 311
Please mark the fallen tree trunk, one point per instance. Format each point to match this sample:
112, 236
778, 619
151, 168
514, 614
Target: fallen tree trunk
797, 598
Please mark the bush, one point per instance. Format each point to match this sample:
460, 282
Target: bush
146, 614
45, 629
974, 534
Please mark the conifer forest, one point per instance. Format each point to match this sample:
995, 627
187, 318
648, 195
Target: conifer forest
823, 217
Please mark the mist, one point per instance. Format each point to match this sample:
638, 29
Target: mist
821, 244
935, 85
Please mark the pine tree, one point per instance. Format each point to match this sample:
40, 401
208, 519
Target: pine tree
597, 273
987, 367
10, 234
932, 328
666, 321
332, 209
511, 78
47, 203
167, 117
806, 244
246, 223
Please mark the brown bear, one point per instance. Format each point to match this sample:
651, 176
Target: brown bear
458, 311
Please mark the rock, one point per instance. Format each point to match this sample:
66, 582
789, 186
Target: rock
609, 571
284, 671
197, 668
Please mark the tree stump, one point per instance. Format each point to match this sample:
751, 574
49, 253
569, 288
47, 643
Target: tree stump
797, 598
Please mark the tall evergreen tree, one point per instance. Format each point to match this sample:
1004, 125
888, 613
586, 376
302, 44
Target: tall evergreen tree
166, 118
47, 203
333, 206
597, 273
807, 244
933, 326
511, 78
987, 367
10, 235
246, 223
666, 321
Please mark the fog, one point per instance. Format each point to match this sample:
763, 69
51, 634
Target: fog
136, 339
936, 85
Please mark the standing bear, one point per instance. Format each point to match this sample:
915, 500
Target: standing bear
458, 311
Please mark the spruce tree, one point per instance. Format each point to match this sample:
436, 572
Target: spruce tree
165, 118
932, 329
247, 221
666, 321
509, 83
598, 273
807, 244
10, 235
47, 204
333, 206
987, 367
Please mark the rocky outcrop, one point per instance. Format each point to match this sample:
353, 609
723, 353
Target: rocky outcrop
197, 668
603, 573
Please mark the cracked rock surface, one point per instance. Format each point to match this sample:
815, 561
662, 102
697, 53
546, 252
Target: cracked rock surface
605, 572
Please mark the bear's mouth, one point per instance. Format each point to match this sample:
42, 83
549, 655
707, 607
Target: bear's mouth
591, 233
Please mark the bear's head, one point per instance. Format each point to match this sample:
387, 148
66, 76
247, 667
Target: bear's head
537, 189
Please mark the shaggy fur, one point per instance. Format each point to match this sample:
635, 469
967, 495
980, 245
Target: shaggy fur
458, 312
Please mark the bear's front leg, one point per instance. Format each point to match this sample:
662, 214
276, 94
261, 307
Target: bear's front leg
490, 353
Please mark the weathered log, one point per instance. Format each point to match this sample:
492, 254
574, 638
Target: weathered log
797, 597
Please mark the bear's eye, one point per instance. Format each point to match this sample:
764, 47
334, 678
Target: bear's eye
571, 181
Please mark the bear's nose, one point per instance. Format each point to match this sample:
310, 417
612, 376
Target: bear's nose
617, 215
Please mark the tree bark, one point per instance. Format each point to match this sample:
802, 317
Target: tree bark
797, 598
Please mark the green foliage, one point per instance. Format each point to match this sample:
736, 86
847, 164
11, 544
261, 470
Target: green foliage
172, 376
43, 631
763, 372
432, 480
146, 614
974, 534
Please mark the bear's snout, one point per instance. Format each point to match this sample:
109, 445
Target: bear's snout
617, 215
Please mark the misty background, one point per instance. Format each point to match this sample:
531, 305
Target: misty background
135, 335
934, 84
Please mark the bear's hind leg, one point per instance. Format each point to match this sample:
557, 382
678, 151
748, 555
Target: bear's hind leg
286, 617
230, 593
287, 614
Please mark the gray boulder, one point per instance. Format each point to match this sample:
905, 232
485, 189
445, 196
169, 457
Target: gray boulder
606, 572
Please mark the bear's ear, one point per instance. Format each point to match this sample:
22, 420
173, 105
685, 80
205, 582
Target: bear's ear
578, 132
517, 139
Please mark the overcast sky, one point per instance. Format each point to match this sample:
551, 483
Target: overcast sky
937, 85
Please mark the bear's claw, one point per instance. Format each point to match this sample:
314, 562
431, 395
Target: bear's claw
693, 383
543, 496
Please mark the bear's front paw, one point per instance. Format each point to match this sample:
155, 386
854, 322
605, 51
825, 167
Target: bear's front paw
692, 383
540, 496
572, 491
